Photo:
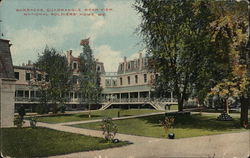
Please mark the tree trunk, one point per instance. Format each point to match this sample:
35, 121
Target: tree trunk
89, 111
226, 109
244, 111
180, 104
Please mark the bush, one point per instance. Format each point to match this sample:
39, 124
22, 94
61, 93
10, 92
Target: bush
33, 122
62, 108
42, 109
167, 123
109, 129
18, 121
21, 111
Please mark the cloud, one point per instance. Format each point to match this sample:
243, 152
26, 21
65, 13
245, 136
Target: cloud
121, 20
109, 57
27, 42
136, 55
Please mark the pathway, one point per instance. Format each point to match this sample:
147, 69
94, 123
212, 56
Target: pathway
114, 118
232, 145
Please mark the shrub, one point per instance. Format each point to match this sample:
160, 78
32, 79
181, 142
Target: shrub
33, 122
167, 123
62, 108
21, 112
109, 129
18, 121
42, 109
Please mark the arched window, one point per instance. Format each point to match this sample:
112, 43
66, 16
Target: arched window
74, 65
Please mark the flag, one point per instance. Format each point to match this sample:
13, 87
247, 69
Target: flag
84, 42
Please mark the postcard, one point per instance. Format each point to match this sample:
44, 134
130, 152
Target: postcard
124, 78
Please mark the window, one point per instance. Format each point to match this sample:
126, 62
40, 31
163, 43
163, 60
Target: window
39, 77
26, 94
19, 93
121, 67
136, 78
129, 65
17, 75
145, 78
32, 94
71, 95
128, 79
74, 65
120, 81
27, 76
98, 68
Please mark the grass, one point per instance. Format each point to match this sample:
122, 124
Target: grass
59, 118
42, 142
184, 126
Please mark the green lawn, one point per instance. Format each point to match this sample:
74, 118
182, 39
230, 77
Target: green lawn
185, 126
41, 142
94, 115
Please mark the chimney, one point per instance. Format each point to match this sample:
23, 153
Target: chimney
140, 60
69, 56
125, 59
140, 55
125, 64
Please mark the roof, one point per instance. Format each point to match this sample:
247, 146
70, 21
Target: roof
6, 66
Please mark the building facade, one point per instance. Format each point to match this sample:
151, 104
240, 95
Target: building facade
129, 87
7, 85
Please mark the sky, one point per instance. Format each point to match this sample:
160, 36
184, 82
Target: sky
112, 36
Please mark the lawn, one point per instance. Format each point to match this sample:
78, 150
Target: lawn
94, 115
184, 126
43, 142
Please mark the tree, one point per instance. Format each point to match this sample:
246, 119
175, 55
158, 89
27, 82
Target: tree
89, 77
231, 26
178, 41
57, 77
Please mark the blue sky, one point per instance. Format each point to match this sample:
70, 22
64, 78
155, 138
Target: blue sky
111, 37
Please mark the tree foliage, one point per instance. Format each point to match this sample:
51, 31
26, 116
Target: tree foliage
178, 41
89, 78
231, 25
57, 77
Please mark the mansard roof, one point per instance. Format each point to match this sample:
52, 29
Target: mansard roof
6, 66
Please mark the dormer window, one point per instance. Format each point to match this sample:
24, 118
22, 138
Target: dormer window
74, 65
98, 68
129, 65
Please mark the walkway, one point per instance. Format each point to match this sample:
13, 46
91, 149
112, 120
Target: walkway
233, 145
115, 118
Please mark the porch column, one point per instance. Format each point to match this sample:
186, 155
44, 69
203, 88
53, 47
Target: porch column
29, 94
138, 96
120, 95
128, 96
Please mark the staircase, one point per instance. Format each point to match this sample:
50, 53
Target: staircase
157, 105
105, 106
